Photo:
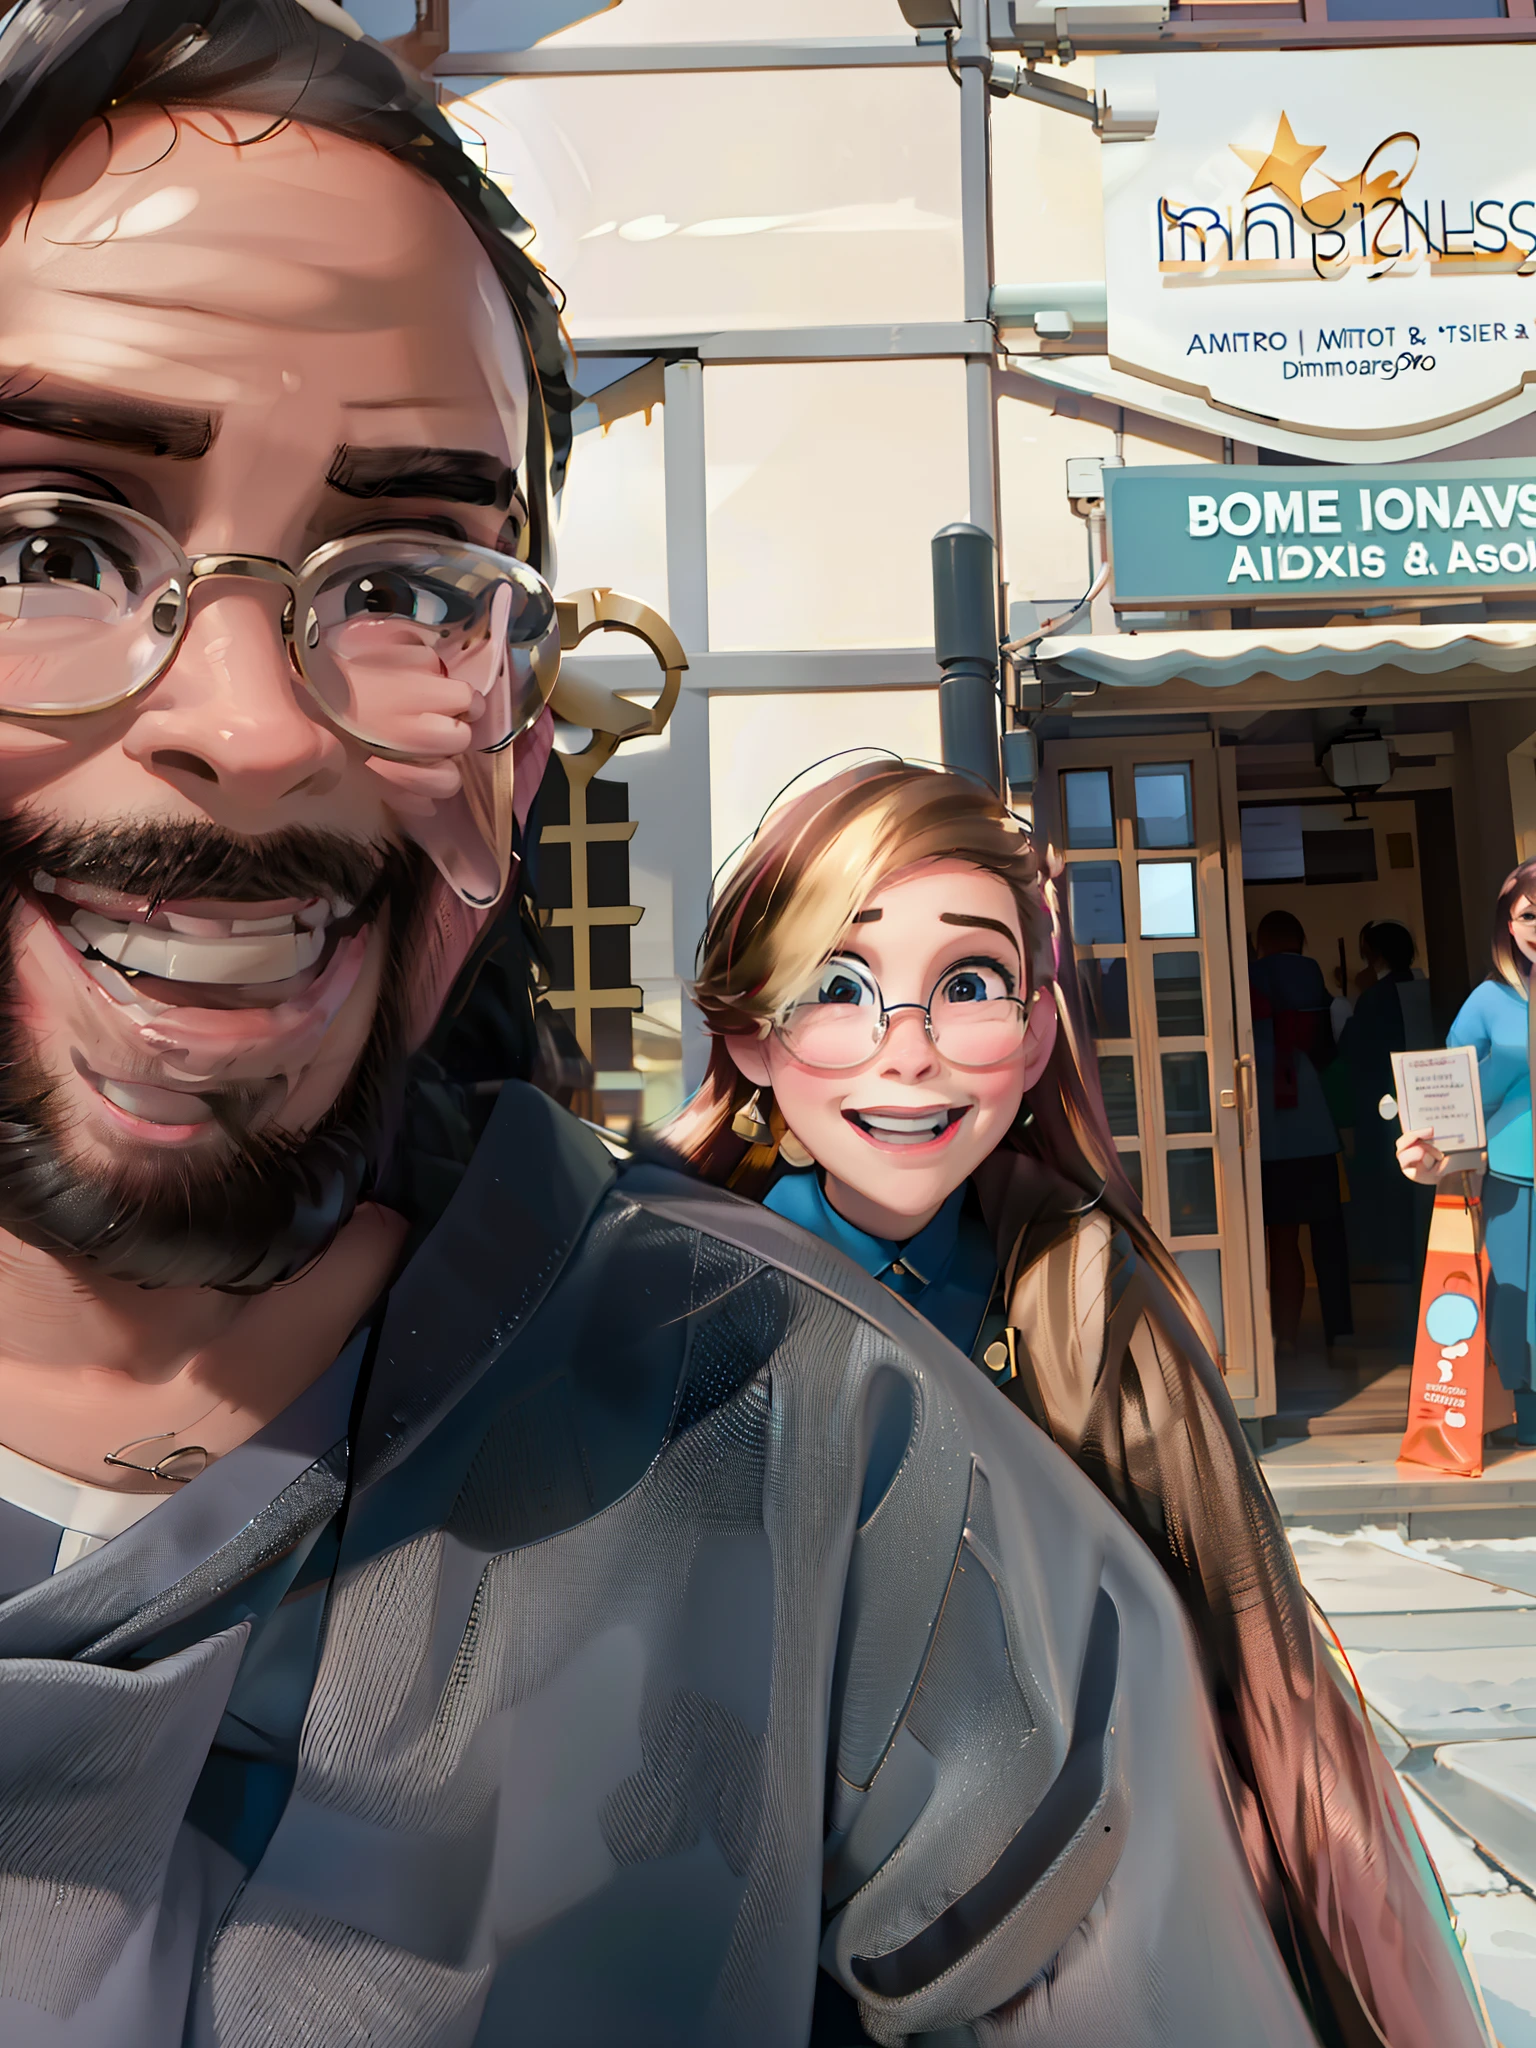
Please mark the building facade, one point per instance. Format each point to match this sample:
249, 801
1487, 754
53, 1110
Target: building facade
1213, 316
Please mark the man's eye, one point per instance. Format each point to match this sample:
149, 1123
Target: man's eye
69, 564
386, 593
59, 558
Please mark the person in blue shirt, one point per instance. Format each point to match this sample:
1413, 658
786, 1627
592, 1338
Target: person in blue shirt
1496, 1021
898, 1065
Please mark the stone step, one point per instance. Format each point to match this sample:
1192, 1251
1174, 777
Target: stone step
1435, 1696
1488, 1789
1378, 1409
1343, 1482
1352, 1576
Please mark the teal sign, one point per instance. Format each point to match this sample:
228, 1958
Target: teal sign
1214, 534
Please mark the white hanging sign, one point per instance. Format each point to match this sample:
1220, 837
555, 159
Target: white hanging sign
1341, 242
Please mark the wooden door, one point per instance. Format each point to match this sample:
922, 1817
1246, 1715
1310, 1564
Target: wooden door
1156, 909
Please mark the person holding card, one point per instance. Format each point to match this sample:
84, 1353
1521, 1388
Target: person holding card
1495, 1021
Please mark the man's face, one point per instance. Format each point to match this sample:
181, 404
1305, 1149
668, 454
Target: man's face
263, 348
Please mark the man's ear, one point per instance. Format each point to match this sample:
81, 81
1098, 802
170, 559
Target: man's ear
750, 1054
1039, 1036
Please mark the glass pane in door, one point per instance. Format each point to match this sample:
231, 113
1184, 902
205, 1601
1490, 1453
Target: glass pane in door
1089, 807
1098, 915
1192, 1193
1106, 997
1176, 991
1117, 1081
1202, 1269
1165, 807
1167, 899
1186, 1092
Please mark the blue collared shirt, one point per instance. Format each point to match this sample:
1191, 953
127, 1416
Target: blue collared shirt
946, 1272
1494, 1021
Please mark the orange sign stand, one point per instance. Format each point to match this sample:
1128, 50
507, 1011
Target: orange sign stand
1457, 1396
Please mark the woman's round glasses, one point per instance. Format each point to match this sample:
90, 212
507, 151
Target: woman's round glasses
971, 1016
419, 647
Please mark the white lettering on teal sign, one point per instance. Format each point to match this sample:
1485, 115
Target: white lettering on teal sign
1201, 534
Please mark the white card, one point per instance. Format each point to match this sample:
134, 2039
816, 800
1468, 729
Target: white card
1438, 1091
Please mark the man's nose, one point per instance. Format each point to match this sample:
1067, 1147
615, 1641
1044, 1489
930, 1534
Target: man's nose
228, 715
908, 1053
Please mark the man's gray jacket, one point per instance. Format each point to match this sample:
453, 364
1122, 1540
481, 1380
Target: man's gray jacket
677, 1613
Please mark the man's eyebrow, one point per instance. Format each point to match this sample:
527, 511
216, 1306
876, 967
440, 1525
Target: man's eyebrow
79, 412
984, 924
459, 476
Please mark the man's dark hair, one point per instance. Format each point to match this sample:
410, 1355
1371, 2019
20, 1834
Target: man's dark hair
1280, 932
63, 66
1394, 946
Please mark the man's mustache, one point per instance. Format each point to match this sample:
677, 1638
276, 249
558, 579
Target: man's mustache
172, 860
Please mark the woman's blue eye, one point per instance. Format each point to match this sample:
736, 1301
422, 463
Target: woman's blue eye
842, 988
979, 983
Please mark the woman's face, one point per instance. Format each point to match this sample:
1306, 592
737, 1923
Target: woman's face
1522, 926
897, 1133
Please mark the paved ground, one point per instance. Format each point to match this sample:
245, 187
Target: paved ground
1441, 1632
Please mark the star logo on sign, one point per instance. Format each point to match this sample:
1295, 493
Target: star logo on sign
1283, 165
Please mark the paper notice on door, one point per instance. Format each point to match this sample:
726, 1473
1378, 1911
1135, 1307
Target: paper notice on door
1438, 1091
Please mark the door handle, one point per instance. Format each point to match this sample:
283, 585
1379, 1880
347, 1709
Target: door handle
1247, 1088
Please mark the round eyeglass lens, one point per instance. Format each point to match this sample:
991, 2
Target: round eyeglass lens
973, 1019
838, 1021
428, 649
92, 598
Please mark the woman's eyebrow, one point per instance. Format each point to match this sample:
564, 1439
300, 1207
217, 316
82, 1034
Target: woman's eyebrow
985, 924
868, 916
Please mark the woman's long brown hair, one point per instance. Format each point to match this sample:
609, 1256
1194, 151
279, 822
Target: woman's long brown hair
787, 906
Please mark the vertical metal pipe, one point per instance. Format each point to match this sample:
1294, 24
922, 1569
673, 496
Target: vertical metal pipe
977, 266
965, 645
688, 856
975, 162
687, 504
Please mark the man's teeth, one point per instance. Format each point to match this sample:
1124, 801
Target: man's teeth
156, 1105
242, 952
905, 1130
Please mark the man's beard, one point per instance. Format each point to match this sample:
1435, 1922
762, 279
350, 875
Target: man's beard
255, 1209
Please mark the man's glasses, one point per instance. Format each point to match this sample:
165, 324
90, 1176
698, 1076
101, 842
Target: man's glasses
416, 646
971, 1017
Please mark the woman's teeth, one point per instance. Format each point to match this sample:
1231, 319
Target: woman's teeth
893, 1127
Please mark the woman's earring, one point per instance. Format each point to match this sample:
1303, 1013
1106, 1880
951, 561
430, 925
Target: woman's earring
750, 1123
793, 1153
